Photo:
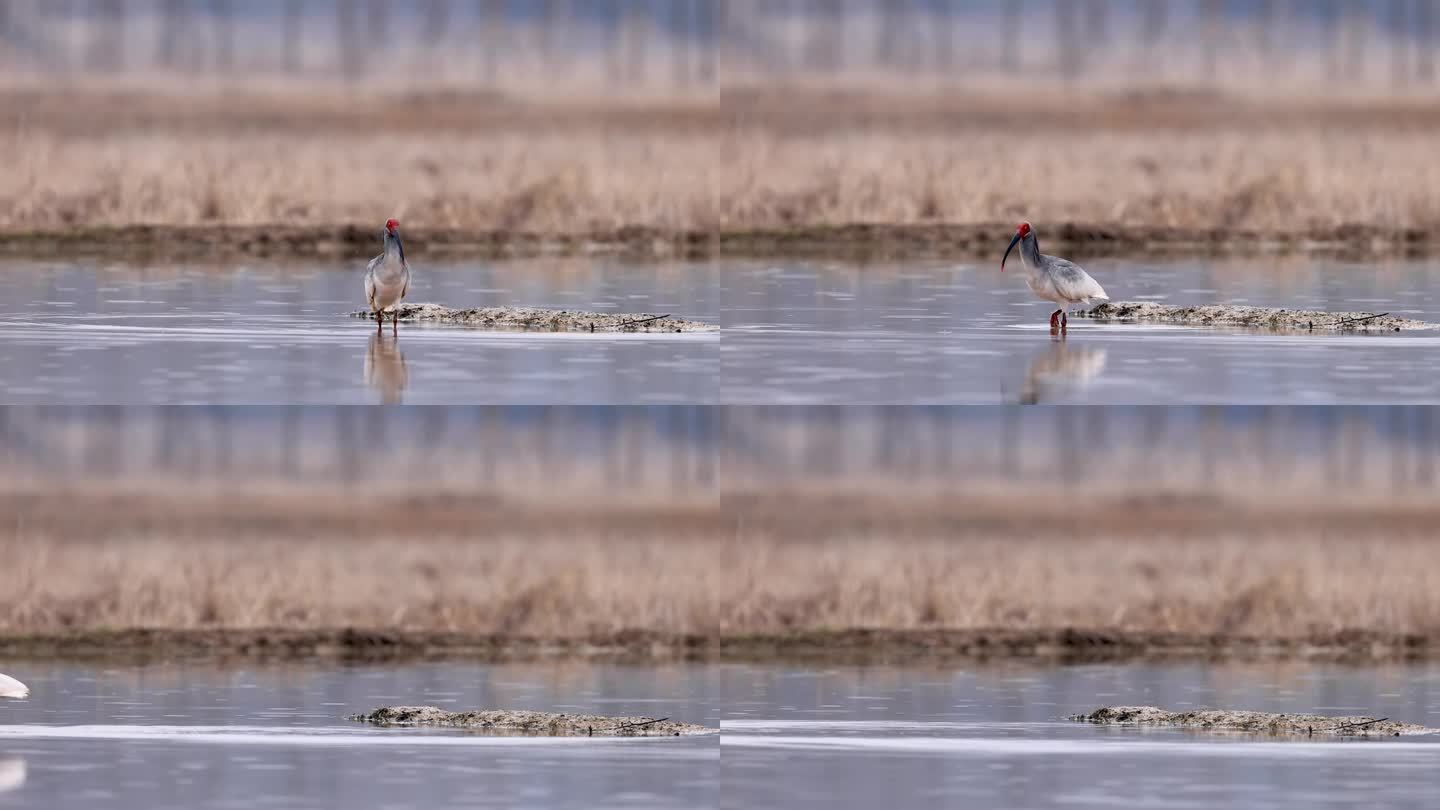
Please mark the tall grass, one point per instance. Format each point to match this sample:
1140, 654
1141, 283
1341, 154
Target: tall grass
1266, 585
723, 570
553, 586
740, 161
547, 183
1285, 181
1274, 585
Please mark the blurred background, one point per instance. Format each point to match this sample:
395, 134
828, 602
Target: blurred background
662, 453
549, 521
1386, 452
722, 522
474, 43
685, 116
951, 42
522, 452
632, 44
1223, 522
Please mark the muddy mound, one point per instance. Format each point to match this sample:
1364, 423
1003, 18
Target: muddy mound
1294, 320
533, 319
1300, 725
538, 723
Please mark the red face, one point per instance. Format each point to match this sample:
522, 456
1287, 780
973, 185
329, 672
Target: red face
392, 225
1020, 233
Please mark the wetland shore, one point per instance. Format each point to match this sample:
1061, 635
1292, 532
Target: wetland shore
967, 241
854, 647
787, 575
879, 171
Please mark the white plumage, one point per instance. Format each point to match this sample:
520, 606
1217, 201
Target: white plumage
387, 277
1052, 278
11, 688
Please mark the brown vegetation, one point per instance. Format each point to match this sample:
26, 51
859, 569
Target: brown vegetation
1266, 585
980, 577
749, 170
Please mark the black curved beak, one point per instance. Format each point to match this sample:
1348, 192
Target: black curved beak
1013, 243
401, 247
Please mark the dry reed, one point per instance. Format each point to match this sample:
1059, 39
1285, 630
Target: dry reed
1267, 577
549, 183
1264, 585
1280, 181
548, 586
733, 164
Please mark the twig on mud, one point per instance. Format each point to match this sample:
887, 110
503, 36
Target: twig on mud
646, 723
643, 320
1366, 318
1362, 725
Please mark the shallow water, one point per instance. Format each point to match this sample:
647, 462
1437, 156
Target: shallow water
912, 738
911, 333
198, 737
81, 333
965, 333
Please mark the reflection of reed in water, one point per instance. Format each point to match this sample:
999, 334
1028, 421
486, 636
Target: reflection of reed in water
1060, 365
385, 368
12, 773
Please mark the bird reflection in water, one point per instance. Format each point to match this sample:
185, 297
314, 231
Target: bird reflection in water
1058, 368
385, 368
12, 773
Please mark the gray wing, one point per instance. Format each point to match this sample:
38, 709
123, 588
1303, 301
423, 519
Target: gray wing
1072, 282
370, 281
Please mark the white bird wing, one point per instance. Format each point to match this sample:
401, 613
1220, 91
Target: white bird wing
1073, 283
370, 280
11, 688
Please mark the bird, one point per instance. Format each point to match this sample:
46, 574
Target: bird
1053, 278
11, 688
387, 278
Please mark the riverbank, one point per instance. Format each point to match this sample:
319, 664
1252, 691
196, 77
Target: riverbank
358, 573
979, 242
852, 647
801, 170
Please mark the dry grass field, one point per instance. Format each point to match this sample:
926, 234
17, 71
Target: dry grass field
1273, 586
1251, 584
744, 165
747, 570
860, 529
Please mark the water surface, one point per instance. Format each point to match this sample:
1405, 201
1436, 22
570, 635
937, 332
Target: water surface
912, 333
276, 736
913, 738
84, 333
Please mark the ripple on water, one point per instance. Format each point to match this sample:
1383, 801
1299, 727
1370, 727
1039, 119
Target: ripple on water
1043, 739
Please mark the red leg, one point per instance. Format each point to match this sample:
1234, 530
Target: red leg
1064, 319
1054, 319
379, 321
395, 322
